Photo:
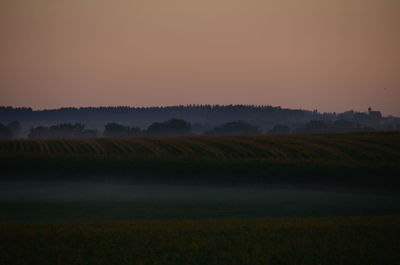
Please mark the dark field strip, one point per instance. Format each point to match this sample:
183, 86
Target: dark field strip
377, 146
367, 160
334, 240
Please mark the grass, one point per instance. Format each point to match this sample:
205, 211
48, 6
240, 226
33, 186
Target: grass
335, 240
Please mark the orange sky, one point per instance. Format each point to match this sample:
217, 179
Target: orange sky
313, 54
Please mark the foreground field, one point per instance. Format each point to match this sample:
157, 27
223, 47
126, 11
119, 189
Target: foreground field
370, 160
91, 201
202, 200
335, 240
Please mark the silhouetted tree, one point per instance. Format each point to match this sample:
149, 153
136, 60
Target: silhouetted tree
39, 132
235, 128
316, 127
63, 130
280, 129
170, 127
15, 128
5, 132
113, 129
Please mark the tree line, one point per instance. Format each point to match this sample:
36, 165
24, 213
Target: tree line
202, 117
171, 127
142, 115
180, 127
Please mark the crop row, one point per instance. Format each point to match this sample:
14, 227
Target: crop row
328, 147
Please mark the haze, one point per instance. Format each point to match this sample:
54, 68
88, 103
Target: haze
313, 54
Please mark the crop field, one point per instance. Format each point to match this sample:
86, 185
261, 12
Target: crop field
292, 199
335, 240
337, 147
339, 159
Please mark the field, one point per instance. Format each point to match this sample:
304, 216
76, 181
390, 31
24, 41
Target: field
335, 240
347, 160
293, 199
338, 147
103, 201
111, 223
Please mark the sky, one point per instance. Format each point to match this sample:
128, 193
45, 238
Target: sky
312, 54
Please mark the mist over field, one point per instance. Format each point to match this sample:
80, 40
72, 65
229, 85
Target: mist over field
96, 201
